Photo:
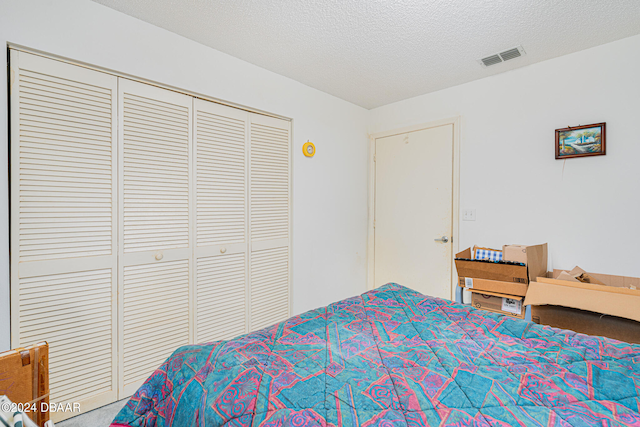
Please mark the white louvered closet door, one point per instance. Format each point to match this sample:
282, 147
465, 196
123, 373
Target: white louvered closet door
220, 137
270, 203
155, 232
63, 224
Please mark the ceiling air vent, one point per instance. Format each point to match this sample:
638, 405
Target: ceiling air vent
491, 60
510, 54
502, 56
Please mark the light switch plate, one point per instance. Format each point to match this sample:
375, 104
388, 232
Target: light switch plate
469, 215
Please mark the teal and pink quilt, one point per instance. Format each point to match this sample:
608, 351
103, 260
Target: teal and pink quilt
394, 357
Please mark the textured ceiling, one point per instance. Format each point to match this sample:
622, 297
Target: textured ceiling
374, 52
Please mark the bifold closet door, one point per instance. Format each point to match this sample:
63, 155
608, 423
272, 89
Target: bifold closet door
221, 260
270, 203
142, 220
155, 267
63, 224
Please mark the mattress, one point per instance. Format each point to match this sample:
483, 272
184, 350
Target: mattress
394, 357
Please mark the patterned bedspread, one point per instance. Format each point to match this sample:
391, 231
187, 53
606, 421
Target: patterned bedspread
394, 357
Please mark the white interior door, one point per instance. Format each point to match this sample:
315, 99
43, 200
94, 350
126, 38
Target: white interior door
63, 224
156, 226
413, 208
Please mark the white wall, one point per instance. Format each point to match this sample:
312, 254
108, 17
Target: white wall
587, 209
330, 190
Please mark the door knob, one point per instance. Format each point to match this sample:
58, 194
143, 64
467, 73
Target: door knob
443, 239
159, 257
223, 250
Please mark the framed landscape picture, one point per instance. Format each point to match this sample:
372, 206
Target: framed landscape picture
581, 141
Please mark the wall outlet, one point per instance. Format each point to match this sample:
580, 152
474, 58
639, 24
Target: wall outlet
469, 215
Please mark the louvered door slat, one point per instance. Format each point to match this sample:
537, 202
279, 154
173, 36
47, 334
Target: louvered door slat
220, 155
270, 221
269, 209
165, 124
55, 167
146, 322
63, 241
156, 217
221, 221
269, 287
221, 297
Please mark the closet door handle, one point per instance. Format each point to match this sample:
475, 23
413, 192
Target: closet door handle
443, 239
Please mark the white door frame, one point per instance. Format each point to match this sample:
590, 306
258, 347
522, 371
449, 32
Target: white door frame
455, 239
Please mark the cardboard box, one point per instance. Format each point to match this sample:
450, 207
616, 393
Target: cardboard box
489, 270
606, 279
601, 299
507, 288
587, 322
24, 378
534, 257
515, 253
508, 305
577, 275
503, 278
617, 296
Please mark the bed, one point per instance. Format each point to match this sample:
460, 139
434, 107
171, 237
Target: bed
394, 357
